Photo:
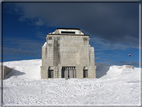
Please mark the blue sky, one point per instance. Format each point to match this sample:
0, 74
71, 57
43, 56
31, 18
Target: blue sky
113, 29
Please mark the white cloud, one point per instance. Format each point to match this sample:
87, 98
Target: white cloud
132, 41
41, 35
111, 22
39, 22
102, 45
21, 46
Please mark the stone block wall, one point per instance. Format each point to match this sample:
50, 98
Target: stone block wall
67, 50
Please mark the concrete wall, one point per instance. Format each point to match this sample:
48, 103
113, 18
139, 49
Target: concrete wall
129, 66
67, 50
6, 70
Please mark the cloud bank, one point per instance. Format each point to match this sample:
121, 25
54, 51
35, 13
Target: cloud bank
113, 22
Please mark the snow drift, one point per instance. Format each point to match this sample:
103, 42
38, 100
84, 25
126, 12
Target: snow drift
23, 86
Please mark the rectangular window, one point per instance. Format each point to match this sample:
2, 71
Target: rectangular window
50, 38
67, 32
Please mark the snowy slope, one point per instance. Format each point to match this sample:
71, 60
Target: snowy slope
27, 69
23, 86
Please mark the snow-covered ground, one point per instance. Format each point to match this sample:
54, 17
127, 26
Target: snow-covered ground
23, 86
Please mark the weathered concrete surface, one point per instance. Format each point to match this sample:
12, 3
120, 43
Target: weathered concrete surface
67, 48
129, 66
5, 70
120, 67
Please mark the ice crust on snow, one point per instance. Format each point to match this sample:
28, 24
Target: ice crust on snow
23, 86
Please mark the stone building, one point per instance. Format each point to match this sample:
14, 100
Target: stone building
67, 54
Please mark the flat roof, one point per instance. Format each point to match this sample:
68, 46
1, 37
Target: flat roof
68, 34
69, 28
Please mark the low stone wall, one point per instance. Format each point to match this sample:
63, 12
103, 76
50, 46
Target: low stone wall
126, 66
120, 67
129, 66
6, 70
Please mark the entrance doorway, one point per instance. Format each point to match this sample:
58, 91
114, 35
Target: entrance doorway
50, 74
85, 72
68, 72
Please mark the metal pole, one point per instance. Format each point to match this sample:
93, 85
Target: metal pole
140, 32
130, 61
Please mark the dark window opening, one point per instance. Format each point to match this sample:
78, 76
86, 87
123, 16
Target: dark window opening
63, 70
50, 38
85, 73
50, 74
85, 39
67, 32
50, 45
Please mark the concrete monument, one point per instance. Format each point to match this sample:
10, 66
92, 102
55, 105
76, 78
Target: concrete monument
67, 54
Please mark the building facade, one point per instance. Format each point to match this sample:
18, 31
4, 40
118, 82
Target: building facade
67, 54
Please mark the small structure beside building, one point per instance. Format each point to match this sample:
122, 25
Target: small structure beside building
67, 54
5, 70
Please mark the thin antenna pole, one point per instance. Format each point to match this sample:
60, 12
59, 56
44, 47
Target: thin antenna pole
130, 58
130, 61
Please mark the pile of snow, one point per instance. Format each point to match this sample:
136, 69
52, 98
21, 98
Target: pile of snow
101, 69
119, 70
25, 69
23, 86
